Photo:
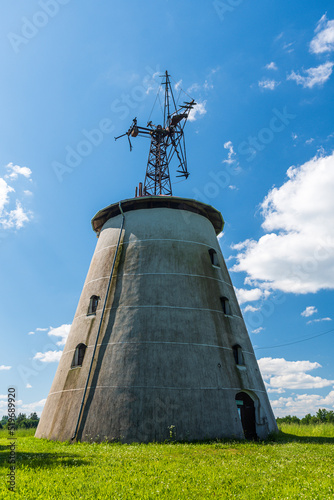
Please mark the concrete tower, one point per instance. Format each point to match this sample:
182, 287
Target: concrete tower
158, 344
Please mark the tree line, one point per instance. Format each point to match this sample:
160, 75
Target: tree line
22, 421
321, 417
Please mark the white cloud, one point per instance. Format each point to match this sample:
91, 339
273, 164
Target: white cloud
5, 189
309, 311
271, 65
62, 331
27, 192
309, 141
294, 136
49, 356
4, 367
280, 373
28, 386
15, 218
232, 187
324, 38
28, 408
177, 86
245, 295
231, 153
302, 404
250, 308
16, 170
297, 254
268, 84
319, 320
42, 329
258, 330
314, 76
197, 111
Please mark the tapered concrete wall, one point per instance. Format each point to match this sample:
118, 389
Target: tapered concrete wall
164, 355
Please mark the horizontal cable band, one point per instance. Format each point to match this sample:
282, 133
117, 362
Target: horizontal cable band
164, 342
161, 274
161, 387
167, 307
158, 239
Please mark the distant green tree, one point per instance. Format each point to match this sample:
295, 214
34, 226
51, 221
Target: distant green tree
4, 420
20, 417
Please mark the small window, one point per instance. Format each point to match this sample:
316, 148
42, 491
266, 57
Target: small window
79, 355
93, 303
214, 257
225, 306
238, 356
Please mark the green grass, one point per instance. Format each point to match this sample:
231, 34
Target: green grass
298, 464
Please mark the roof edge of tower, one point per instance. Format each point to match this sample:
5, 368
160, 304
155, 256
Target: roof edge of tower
146, 202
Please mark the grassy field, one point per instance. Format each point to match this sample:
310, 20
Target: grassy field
297, 464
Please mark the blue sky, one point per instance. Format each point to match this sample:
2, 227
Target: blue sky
260, 149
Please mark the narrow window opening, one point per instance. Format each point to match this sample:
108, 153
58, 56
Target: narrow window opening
225, 306
93, 303
79, 354
214, 257
238, 356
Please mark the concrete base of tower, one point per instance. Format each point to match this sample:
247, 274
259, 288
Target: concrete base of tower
172, 353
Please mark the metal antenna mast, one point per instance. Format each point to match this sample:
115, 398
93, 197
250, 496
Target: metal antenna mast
166, 140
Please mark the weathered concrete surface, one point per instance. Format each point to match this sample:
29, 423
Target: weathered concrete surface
164, 355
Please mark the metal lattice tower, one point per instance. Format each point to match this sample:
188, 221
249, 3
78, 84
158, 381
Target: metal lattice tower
166, 140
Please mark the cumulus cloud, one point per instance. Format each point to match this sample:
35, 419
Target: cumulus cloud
249, 295
318, 320
231, 153
268, 84
15, 218
324, 38
309, 311
5, 189
283, 374
12, 218
4, 367
62, 332
258, 330
49, 356
297, 253
302, 404
198, 110
271, 65
36, 406
313, 76
250, 308
16, 170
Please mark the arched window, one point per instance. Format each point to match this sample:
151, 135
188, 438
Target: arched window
225, 306
238, 356
214, 257
79, 355
93, 303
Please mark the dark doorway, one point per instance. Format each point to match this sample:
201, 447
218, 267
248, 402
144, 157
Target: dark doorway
246, 412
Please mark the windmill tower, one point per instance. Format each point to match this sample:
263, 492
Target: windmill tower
158, 344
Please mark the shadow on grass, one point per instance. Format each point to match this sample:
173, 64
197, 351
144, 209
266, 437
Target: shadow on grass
283, 437
43, 460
